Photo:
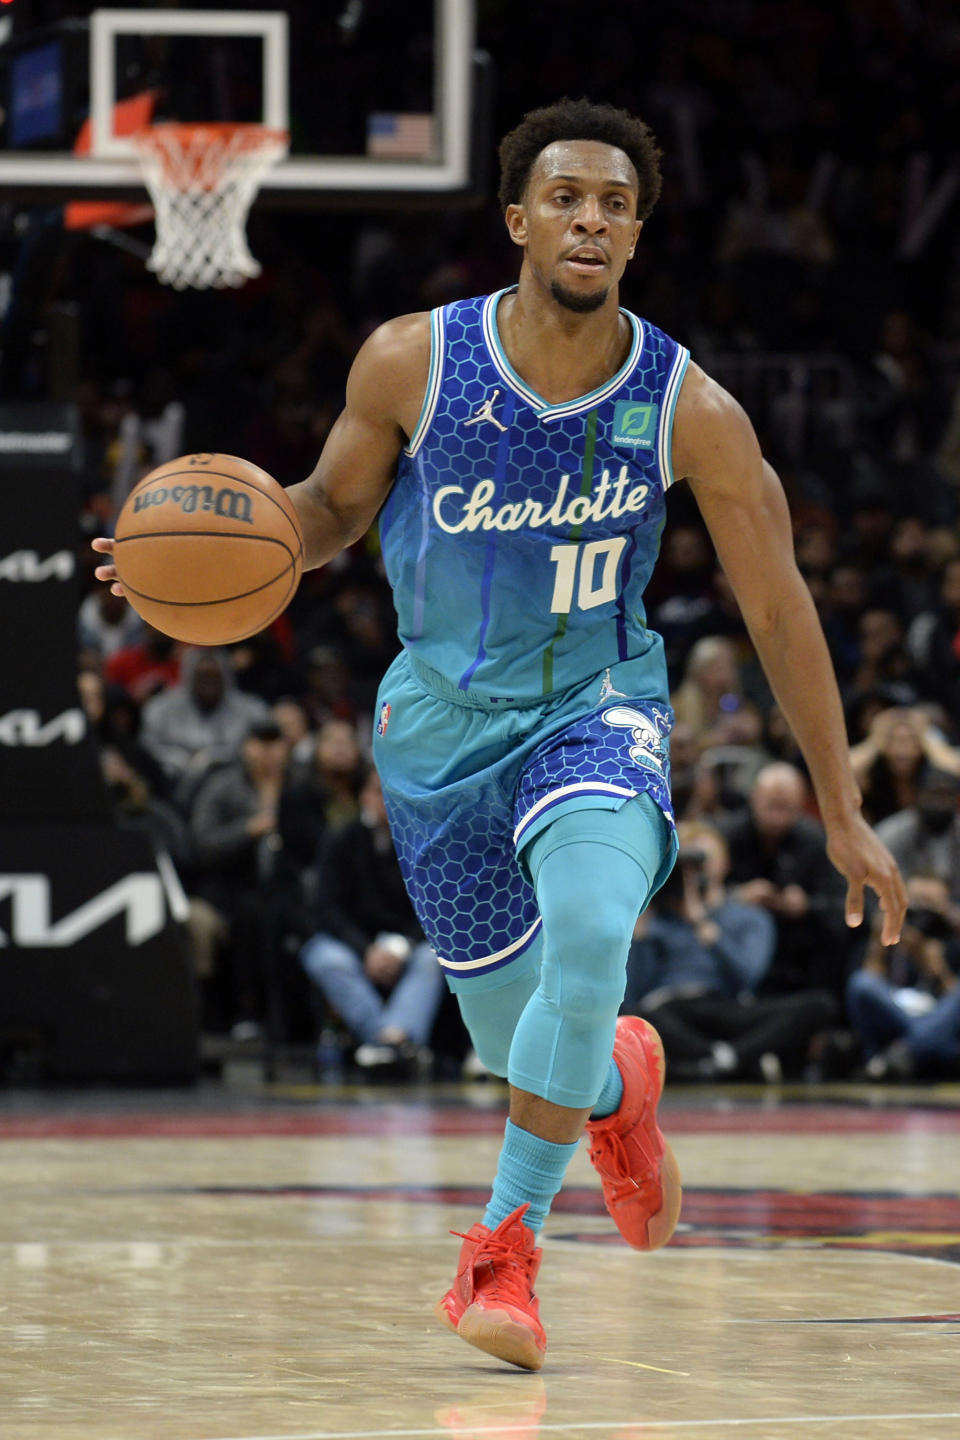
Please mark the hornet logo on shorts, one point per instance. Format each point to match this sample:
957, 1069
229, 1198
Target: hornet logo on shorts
647, 732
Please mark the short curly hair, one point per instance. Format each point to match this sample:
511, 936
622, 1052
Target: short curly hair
579, 120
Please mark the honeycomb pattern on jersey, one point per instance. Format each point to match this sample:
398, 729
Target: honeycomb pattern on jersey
498, 583
461, 871
456, 847
622, 742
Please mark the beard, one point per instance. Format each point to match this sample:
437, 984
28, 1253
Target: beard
580, 303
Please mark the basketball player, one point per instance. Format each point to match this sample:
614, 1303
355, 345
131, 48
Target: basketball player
518, 448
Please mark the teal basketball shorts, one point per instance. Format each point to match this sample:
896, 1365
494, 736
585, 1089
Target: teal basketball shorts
468, 785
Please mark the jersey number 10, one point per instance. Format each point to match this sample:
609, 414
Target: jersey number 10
571, 559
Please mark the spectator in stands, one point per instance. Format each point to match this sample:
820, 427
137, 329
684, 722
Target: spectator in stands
323, 794
367, 637
900, 404
114, 720
329, 693
887, 765
143, 668
291, 716
680, 598
778, 860
846, 599
338, 768
779, 740
865, 539
710, 700
368, 957
815, 545
906, 582
696, 963
694, 787
237, 847
933, 641
200, 722
264, 665
107, 623
904, 1001
883, 662
924, 839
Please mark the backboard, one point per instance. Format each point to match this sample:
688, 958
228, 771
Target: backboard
377, 96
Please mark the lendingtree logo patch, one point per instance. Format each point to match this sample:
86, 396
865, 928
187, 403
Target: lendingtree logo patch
635, 424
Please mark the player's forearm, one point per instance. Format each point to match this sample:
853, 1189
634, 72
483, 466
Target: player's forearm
795, 658
326, 531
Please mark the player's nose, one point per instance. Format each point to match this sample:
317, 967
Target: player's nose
590, 216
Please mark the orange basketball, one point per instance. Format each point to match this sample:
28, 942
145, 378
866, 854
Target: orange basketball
208, 549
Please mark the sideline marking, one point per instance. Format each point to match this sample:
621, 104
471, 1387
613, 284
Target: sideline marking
580, 1426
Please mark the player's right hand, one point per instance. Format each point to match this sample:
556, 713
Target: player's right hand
107, 573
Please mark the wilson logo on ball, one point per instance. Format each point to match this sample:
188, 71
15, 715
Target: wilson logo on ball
229, 504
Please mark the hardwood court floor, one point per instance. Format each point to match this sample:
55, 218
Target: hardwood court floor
250, 1261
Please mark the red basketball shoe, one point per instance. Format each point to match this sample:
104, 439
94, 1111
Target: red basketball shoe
641, 1181
491, 1304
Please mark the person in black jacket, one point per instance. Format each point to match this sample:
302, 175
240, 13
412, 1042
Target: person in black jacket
778, 859
369, 958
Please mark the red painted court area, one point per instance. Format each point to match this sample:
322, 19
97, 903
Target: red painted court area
391, 1118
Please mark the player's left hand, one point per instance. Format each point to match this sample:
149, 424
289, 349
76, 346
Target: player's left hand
107, 573
864, 860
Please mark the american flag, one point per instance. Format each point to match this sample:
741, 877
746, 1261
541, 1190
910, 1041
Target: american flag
399, 136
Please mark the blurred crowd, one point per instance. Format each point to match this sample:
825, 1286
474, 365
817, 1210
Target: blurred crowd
806, 249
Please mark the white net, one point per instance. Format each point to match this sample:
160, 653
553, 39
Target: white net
202, 180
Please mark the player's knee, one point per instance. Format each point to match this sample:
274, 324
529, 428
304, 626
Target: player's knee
590, 997
586, 971
601, 932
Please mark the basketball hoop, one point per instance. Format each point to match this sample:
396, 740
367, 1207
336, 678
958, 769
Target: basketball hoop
202, 180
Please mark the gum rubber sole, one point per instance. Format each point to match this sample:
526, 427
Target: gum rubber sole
499, 1334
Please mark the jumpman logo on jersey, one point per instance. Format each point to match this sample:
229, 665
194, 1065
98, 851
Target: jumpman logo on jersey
486, 413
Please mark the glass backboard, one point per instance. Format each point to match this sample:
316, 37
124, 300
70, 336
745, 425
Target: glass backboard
377, 96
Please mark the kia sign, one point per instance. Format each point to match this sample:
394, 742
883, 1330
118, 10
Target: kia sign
27, 567
96, 978
93, 962
49, 769
25, 728
138, 898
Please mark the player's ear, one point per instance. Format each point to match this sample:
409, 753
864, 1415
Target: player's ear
516, 218
636, 236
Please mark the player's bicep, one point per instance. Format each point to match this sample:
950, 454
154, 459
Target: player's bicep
339, 501
357, 465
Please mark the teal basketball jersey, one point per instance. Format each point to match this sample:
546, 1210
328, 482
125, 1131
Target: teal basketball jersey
519, 536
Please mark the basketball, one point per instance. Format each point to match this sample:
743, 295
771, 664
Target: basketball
208, 549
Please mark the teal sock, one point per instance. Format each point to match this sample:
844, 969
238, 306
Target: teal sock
610, 1096
530, 1170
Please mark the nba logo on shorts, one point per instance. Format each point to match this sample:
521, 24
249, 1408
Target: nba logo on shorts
383, 720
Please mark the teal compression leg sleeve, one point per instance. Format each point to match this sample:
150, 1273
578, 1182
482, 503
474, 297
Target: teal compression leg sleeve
530, 1171
593, 871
